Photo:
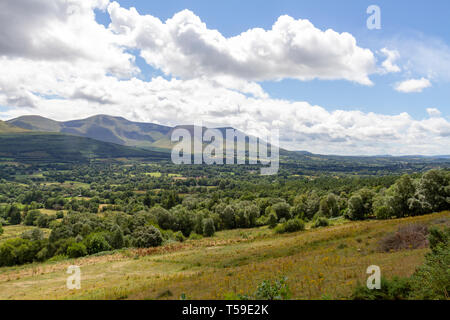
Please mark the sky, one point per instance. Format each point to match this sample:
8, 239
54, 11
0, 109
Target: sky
312, 69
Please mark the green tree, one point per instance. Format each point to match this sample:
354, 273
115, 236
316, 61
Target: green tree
208, 227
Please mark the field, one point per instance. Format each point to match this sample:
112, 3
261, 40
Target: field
17, 230
325, 263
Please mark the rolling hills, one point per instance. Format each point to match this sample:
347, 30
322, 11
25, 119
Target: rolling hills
56, 147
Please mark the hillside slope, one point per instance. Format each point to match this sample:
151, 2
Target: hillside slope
8, 128
55, 147
326, 262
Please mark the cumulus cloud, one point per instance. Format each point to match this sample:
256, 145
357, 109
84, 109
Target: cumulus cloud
302, 126
413, 85
433, 112
215, 77
389, 64
184, 46
61, 30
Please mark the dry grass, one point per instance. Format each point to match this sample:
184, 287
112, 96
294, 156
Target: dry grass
327, 262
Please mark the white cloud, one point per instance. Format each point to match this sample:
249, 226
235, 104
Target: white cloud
389, 64
61, 30
183, 46
433, 112
413, 85
216, 75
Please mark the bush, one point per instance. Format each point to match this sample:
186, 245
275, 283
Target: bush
34, 234
179, 236
18, 251
96, 242
321, 222
147, 236
76, 250
1, 229
195, 236
276, 290
208, 227
273, 220
407, 237
291, 225
395, 289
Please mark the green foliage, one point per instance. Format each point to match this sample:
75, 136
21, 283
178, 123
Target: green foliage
395, 289
208, 227
34, 234
18, 251
76, 250
273, 290
291, 225
321, 222
96, 242
147, 236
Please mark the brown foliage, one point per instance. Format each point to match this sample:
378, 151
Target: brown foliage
413, 236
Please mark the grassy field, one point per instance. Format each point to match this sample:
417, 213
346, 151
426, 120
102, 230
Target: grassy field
319, 263
15, 231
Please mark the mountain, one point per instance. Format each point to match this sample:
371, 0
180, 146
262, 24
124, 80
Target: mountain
56, 147
8, 128
106, 128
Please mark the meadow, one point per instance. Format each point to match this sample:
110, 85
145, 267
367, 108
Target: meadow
323, 263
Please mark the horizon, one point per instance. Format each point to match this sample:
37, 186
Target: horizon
224, 127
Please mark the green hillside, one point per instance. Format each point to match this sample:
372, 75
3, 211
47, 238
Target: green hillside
104, 128
8, 128
55, 147
109, 129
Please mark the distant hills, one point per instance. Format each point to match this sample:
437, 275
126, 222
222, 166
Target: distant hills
8, 128
104, 136
111, 129
103, 128
56, 147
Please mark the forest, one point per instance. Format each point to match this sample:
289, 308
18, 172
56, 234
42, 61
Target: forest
76, 210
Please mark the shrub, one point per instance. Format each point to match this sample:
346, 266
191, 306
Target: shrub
273, 220
407, 237
1, 229
34, 234
31, 217
18, 251
96, 242
208, 227
117, 240
147, 236
179, 236
276, 290
291, 225
195, 236
395, 289
76, 250
321, 222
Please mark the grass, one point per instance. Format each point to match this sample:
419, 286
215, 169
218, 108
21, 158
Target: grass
16, 230
324, 262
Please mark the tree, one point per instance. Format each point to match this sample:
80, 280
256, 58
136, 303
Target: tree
273, 220
76, 250
227, 217
282, 210
96, 242
433, 190
147, 236
208, 227
356, 208
117, 240
14, 215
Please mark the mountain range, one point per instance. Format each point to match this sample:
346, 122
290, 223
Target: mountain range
104, 136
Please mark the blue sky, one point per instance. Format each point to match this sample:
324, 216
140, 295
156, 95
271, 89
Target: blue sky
408, 20
313, 69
